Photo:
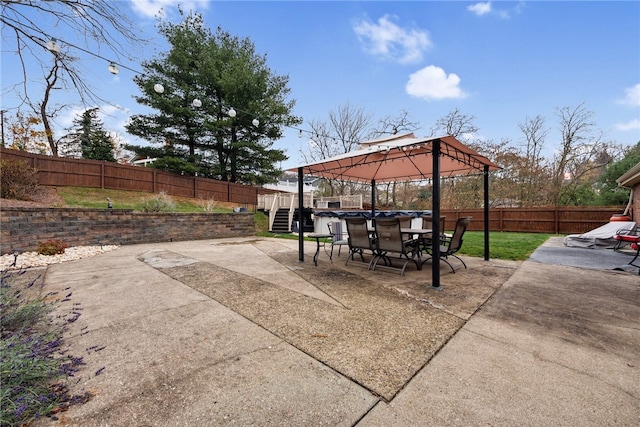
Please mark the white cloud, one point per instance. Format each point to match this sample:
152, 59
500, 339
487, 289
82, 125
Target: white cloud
632, 96
389, 41
433, 83
153, 8
65, 120
630, 125
486, 8
480, 8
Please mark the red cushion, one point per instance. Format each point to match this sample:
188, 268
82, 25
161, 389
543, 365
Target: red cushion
627, 238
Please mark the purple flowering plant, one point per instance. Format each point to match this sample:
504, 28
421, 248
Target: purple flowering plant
34, 364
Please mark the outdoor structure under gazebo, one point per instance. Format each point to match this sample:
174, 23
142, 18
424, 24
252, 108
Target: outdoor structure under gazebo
404, 158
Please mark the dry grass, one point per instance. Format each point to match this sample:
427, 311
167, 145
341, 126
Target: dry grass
81, 197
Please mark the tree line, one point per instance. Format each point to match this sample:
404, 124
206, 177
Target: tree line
580, 171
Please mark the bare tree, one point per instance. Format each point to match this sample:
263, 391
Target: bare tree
392, 125
455, 124
579, 153
534, 175
42, 108
98, 28
346, 128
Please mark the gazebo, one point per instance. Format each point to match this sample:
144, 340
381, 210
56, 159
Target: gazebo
405, 158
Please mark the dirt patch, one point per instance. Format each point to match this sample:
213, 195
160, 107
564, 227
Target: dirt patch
42, 197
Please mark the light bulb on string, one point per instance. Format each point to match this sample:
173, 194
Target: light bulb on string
158, 88
196, 103
53, 46
113, 68
231, 112
255, 122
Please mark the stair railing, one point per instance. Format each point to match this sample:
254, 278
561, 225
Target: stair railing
272, 211
292, 208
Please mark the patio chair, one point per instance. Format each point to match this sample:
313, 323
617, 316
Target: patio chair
450, 245
390, 244
360, 239
338, 237
405, 222
629, 237
427, 224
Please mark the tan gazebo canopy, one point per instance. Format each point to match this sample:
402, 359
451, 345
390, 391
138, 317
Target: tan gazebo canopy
400, 158
404, 158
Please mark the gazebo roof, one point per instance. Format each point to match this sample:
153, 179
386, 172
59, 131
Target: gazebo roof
400, 158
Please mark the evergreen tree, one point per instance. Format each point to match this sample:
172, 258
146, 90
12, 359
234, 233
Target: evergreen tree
89, 138
222, 72
609, 193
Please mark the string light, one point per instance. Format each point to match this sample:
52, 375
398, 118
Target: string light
53, 46
113, 68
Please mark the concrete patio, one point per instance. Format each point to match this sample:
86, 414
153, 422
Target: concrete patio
239, 332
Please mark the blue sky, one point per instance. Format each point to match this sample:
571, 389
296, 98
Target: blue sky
500, 62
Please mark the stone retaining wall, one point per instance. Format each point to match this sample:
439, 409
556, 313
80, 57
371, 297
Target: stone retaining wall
25, 228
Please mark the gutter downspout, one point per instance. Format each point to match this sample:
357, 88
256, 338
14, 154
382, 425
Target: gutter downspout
626, 210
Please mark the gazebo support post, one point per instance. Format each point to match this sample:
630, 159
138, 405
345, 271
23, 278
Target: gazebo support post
486, 212
300, 208
373, 198
435, 214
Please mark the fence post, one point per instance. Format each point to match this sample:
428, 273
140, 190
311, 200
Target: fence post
102, 175
195, 187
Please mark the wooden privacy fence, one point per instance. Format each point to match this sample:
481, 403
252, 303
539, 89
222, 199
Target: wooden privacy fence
553, 220
68, 172
62, 171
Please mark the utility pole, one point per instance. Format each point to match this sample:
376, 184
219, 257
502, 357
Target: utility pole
2, 125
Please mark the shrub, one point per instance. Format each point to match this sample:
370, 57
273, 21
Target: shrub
208, 205
162, 202
52, 247
17, 179
33, 361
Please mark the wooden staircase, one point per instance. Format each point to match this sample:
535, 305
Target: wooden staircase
281, 222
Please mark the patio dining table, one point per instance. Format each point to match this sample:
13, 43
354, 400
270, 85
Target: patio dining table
319, 239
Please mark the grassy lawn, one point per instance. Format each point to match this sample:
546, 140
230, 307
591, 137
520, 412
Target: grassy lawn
508, 246
503, 245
